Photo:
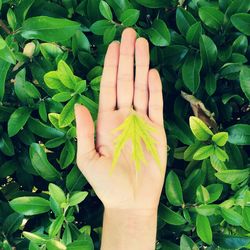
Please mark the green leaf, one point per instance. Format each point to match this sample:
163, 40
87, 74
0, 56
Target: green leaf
41, 164
4, 68
29, 205
56, 226
136, 129
245, 80
25, 90
237, 7
100, 26
234, 176
8, 168
49, 29
208, 51
203, 152
62, 97
6, 145
67, 155
221, 154
231, 241
129, 17
240, 44
173, 189
17, 120
83, 243
12, 223
217, 164
169, 216
181, 130
194, 33
191, 71
187, 243
184, 20
212, 17
158, 33
105, 10
152, 4
231, 216
57, 193
202, 194
239, 134
109, 35
55, 245
11, 19
52, 81
75, 180
206, 210
199, 129
241, 22
43, 130
66, 75
220, 138
77, 197
215, 191
80, 42
67, 115
6, 53
203, 229
210, 83
35, 238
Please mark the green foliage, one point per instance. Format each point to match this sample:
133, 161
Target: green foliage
51, 57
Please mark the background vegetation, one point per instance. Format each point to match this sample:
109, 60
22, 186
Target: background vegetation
51, 56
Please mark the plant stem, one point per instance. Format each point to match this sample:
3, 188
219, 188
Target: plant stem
4, 27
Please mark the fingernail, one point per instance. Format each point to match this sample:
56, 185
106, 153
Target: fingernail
77, 105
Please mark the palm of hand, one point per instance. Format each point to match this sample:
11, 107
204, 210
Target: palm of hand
125, 188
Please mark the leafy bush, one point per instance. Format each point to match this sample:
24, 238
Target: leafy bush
51, 56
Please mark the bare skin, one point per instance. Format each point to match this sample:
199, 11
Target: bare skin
130, 213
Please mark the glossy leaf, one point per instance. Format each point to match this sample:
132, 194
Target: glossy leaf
204, 229
29, 205
41, 164
49, 29
173, 189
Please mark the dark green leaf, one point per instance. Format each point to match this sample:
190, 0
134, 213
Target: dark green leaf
169, 216
241, 22
158, 33
49, 29
41, 164
239, 134
212, 17
191, 71
245, 81
184, 20
17, 120
208, 51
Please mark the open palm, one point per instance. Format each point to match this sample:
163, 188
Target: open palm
119, 91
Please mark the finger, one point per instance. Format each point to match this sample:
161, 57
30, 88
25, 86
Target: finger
107, 96
85, 133
155, 105
141, 75
125, 77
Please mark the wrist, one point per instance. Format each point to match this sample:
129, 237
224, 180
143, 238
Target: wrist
132, 212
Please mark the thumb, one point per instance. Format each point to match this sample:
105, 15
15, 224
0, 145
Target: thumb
85, 131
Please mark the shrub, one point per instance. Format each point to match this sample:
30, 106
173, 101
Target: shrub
51, 56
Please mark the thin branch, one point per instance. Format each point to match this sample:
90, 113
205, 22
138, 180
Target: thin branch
4, 27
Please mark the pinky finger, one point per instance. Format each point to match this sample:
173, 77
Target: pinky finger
155, 104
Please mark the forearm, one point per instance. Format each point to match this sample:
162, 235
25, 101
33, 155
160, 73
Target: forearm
134, 230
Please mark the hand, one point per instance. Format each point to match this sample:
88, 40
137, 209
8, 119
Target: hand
118, 92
